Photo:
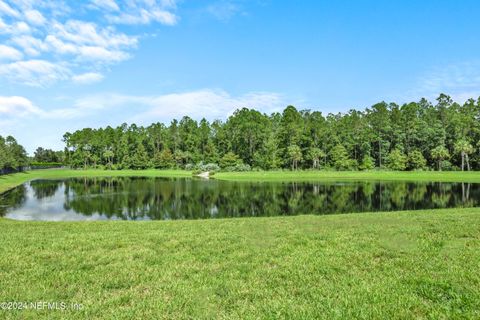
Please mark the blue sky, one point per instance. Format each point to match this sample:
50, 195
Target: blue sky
65, 65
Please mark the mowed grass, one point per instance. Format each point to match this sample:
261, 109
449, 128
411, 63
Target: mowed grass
403, 265
444, 176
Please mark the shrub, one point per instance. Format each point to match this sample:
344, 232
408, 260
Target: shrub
341, 159
239, 168
190, 167
230, 159
38, 164
163, 159
447, 165
367, 163
208, 167
397, 160
416, 160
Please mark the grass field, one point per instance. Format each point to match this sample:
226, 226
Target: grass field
444, 176
397, 265
422, 264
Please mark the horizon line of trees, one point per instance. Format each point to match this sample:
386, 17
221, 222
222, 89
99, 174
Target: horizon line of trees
13, 156
413, 136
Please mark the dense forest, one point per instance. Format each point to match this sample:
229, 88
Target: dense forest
413, 136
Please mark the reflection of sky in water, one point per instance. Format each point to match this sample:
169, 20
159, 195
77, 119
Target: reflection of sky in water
175, 199
49, 209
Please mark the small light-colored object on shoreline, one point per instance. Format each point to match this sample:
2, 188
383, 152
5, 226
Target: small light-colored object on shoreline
204, 175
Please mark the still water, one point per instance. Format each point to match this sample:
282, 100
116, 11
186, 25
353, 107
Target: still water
170, 199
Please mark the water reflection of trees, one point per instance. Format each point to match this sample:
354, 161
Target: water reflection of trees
137, 198
150, 198
12, 199
44, 188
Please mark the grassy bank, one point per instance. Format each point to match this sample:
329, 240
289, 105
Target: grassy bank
10, 181
421, 264
450, 176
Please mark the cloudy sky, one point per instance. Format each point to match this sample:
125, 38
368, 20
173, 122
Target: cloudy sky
65, 65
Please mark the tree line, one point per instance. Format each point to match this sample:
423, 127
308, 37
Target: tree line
13, 156
413, 136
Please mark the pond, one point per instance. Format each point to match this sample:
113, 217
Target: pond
170, 199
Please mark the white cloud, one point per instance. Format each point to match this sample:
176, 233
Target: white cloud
15, 29
9, 53
5, 9
224, 10
20, 27
88, 42
36, 73
59, 46
109, 5
35, 17
88, 33
144, 16
102, 54
87, 78
461, 81
68, 41
32, 46
208, 103
145, 12
17, 106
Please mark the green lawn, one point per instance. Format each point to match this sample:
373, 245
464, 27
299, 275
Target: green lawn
403, 265
422, 264
444, 176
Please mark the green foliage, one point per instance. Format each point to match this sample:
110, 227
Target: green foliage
440, 154
295, 155
463, 146
201, 167
140, 159
315, 154
367, 163
269, 157
230, 159
464, 149
13, 156
108, 156
416, 160
210, 167
36, 164
164, 159
397, 160
273, 141
48, 156
241, 167
340, 158
249, 130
